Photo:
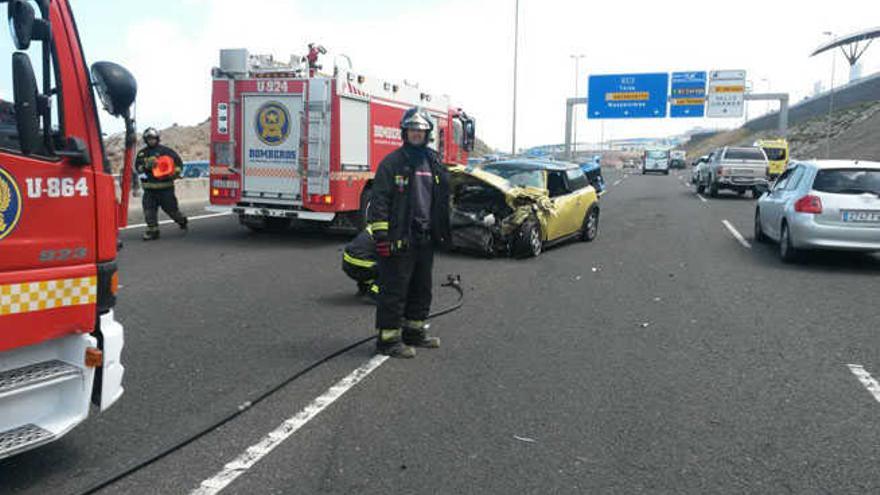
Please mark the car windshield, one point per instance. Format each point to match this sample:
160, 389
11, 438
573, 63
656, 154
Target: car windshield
744, 154
848, 181
518, 175
775, 153
657, 155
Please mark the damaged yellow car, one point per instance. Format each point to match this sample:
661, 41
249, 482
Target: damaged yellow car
519, 207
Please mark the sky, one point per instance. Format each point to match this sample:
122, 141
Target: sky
464, 48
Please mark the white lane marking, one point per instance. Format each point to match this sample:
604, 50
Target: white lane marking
702, 198
739, 237
867, 380
257, 451
164, 222
617, 182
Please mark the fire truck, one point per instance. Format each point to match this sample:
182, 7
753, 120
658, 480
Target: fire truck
60, 211
289, 142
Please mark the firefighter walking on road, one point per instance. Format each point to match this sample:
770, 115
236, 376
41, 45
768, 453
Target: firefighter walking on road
408, 216
157, 167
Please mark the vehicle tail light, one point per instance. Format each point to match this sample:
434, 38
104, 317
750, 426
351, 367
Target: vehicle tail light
720, 170
94, 357
809, 204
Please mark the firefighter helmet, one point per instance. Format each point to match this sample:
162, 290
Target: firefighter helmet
151, 133
416, 118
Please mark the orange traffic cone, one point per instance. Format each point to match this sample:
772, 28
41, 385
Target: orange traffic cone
164, 167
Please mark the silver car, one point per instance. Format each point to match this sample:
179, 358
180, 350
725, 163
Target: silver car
827, 204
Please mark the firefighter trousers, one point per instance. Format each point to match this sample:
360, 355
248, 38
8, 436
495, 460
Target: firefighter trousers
404, 286
161, 198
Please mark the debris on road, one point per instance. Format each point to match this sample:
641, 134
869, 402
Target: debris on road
525, 439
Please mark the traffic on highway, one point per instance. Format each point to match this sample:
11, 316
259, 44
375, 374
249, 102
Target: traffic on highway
333, 284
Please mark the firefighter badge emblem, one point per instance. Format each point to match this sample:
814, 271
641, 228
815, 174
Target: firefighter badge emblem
273, 123
10, 204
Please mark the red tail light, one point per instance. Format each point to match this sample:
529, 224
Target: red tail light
809, 204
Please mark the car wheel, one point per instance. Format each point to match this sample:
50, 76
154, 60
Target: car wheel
528, 243
787, 252
741, 192
666, 172
760, 236
713, 189
700, 188
590, 229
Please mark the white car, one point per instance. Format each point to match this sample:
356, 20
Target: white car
828, 204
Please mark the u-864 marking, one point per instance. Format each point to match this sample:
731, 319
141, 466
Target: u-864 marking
57, 187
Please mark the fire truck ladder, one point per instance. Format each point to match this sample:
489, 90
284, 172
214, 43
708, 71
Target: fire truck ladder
319, 137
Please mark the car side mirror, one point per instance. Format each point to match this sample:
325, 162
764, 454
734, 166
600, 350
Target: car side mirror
116, 87
762, 188
24, 89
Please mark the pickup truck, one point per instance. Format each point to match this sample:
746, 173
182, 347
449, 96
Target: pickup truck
737, 169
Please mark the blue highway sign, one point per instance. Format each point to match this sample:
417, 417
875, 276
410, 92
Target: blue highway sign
627, 96
688, 98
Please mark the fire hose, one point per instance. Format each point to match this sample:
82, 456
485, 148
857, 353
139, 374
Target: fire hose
452, 281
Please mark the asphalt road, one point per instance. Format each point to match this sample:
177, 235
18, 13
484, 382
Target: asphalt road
666, 357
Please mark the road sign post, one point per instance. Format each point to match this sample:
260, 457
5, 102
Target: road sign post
727, 89
688, 94
627, 96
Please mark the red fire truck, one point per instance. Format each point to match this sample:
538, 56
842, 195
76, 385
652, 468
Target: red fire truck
60, 343
290, 142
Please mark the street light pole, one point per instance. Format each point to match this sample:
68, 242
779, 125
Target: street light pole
830, 102
577, 59
515, 61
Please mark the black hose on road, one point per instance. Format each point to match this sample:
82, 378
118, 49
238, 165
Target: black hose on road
452, 281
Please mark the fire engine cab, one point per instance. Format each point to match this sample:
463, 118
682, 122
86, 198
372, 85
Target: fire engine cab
289, 142
60, 343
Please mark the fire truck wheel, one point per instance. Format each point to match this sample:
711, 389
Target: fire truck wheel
365, 205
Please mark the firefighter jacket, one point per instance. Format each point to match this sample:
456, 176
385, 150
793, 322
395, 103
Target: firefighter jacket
390, 210
146, 160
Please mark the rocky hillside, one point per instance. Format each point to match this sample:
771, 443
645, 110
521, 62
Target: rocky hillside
855, 133
192, 143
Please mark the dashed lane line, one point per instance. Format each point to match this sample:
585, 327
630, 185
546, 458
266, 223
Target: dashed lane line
247, 459
165, 222
739, 237
867, 380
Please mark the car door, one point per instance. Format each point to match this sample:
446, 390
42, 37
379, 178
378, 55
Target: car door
565, 205
773, 207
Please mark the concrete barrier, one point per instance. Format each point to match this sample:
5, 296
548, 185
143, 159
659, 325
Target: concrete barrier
188, 191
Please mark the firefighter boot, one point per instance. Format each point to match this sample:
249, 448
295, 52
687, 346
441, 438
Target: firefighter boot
184, 224
390, 344
415, 333
151, 234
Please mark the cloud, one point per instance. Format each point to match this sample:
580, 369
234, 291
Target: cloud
465, 49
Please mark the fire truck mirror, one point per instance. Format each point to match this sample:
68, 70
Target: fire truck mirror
470, 134
116, 87
24, 89
21, 23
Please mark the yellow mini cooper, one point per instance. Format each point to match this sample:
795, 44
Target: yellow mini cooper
518, 207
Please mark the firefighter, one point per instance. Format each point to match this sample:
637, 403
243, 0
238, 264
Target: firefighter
408, 216
359, 263
157, 167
